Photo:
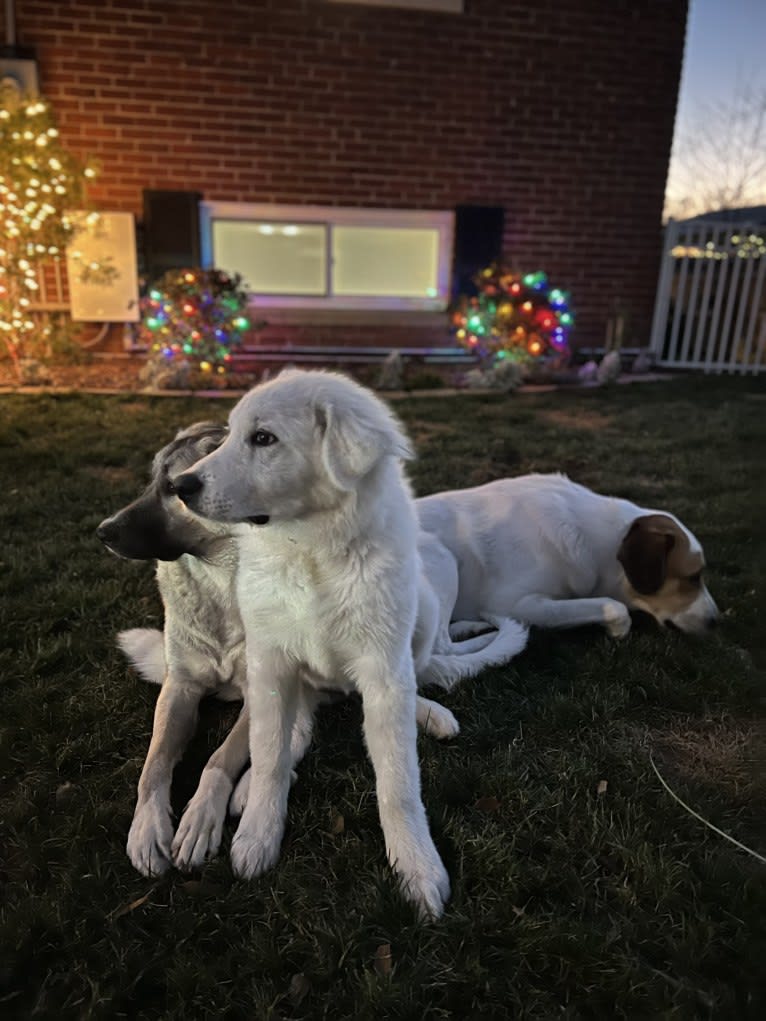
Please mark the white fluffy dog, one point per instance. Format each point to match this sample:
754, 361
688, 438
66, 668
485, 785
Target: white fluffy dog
310, 481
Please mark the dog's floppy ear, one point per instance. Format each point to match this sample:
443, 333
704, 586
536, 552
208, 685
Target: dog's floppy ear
206, 436
196, 440
355, 438
644, 552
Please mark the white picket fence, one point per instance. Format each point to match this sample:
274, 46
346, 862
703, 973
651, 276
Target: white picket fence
710, 311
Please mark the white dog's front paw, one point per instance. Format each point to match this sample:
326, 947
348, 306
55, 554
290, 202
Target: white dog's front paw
255, 850
439, 722
199, 832
424, 880
150, 837
616, 619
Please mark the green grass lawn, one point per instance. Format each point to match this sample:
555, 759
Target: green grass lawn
566, 902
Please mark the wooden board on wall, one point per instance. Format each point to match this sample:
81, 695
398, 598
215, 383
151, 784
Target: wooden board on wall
109, 240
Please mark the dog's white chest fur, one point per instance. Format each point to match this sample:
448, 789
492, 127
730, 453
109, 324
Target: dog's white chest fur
306, 603
281, 592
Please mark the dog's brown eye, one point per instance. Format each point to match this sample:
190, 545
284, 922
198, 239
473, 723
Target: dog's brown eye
261, 438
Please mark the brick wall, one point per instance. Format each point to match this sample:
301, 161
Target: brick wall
562, 112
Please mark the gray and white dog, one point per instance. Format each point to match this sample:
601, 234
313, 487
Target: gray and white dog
201, 652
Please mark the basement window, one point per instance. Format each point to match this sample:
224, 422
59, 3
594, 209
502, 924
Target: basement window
332, 257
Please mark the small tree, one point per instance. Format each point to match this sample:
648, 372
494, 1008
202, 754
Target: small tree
40, 183
720, 163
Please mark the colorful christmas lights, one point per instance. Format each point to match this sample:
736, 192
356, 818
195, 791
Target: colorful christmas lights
195, 315
514, 316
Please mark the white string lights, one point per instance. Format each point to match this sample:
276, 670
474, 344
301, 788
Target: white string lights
39, 183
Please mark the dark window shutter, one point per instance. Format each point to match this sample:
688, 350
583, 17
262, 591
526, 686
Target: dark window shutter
171, 231
478, 242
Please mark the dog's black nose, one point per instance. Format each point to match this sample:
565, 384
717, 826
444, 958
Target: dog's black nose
187, 485
107, 530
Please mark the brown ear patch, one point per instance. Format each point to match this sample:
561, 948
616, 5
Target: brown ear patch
644, 555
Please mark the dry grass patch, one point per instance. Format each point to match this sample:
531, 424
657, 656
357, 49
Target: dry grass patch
109, 473
577, 418
728, 753
423, 431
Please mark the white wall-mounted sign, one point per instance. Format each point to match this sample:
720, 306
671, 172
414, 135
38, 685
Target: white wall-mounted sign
108, 240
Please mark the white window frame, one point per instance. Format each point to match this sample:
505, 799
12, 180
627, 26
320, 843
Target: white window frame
441, 220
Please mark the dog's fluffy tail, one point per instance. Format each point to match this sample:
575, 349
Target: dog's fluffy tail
453, 663
145, 648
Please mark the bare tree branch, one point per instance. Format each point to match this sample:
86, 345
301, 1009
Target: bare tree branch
721, 162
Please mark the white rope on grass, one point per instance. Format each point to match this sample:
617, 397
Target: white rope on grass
696, 815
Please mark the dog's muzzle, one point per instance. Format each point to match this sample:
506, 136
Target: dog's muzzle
187, 485
108, 531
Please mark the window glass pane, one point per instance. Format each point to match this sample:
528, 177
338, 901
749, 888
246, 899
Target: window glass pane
273, 258
397, 262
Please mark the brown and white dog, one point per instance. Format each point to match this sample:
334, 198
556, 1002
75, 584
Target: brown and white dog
549, 552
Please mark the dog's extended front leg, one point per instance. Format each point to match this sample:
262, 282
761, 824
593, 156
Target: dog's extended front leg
151, 832
564, 613
300, 739
435, 719
391, 735
273, 689
199, 832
